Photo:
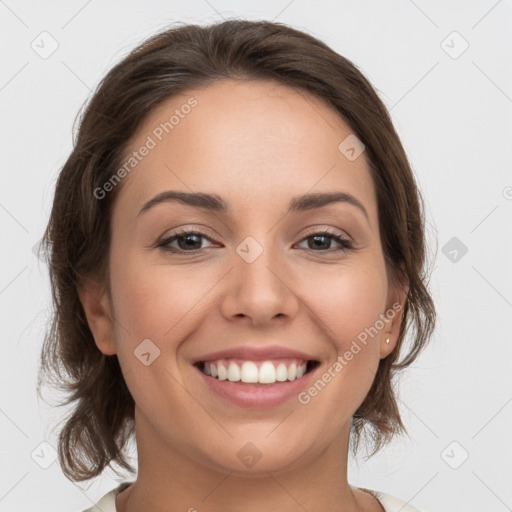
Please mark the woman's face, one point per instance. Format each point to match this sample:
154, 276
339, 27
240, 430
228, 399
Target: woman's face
258, 274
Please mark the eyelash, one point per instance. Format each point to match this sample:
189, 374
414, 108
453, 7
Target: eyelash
346, 245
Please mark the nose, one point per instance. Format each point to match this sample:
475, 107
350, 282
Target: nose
260, 291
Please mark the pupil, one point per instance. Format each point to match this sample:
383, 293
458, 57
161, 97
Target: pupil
320, 244
187, 245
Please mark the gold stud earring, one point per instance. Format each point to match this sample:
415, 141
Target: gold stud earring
387, 340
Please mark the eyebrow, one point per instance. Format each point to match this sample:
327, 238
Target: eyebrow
215, 203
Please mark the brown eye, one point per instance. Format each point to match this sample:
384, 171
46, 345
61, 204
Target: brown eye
187, 241
322, 241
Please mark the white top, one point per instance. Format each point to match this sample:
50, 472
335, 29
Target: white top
389, 503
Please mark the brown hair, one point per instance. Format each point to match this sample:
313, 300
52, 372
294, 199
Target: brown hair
77, 237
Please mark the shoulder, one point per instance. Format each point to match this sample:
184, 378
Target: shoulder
391, 503
108, 502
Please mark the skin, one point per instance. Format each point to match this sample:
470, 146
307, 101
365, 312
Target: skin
257, 145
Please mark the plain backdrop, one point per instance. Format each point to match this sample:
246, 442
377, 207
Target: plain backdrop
444, 71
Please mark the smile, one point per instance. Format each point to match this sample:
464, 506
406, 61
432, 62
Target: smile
260, 384
262, 372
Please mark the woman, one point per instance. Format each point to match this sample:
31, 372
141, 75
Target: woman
236, 255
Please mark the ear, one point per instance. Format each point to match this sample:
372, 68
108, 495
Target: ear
397, 298
98, 311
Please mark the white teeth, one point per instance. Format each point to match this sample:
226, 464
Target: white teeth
267, 373
233, 372
292, 372
281, 372
222, 371
249, 372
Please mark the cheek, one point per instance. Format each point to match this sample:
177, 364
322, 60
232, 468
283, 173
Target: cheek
349, 300
344, 302
158, 301
347, 304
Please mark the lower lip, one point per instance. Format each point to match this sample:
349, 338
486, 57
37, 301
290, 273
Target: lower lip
253, 395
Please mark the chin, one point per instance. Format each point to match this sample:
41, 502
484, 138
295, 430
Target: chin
256, 459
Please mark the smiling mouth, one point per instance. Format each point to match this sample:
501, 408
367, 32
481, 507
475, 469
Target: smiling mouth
257, 372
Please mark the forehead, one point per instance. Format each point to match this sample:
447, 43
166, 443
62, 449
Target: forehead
245, 140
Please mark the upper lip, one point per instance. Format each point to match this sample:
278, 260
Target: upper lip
255, 354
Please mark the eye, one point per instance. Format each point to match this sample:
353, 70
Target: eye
191, 242
322, 240
188, 241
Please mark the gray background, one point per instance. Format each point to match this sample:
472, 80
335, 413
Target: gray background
452, 109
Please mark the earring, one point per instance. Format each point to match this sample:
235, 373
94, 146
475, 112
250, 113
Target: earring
387, 340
